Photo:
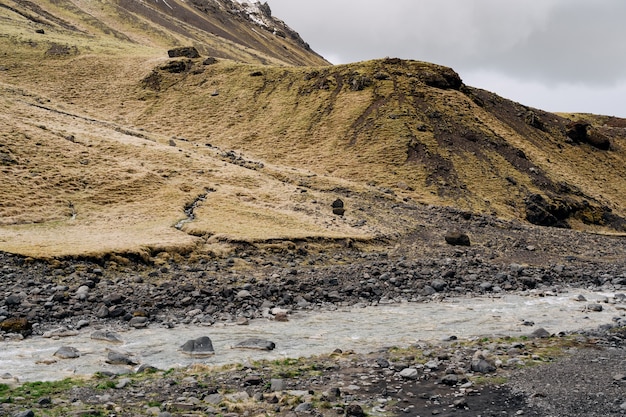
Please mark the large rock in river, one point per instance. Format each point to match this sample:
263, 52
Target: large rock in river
254, 343
67, 352
201, 346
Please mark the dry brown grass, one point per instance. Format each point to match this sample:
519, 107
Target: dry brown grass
87, 167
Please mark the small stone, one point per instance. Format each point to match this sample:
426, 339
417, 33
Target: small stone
243, 294
540, 333
60, 332
450, 379
146, 368
102, 311
106, 336
138, 322
82, 323
277, 385
438, 285
28, 413
594, 307
213, 398
460, 403
67, 352
382, 362
409, 373
482, 363
354, 410
13, 300
117, 358
252, 380
281, 316
44, 402
122, 383
304, 407
456, 238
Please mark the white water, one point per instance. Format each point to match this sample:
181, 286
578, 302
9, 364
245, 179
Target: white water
306, 334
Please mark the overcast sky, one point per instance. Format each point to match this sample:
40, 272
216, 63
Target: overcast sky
557, 55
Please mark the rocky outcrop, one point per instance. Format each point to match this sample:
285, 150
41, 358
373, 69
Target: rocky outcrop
557, 211
184, 51
583, 132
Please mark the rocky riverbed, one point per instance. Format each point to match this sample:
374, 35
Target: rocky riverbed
275, 280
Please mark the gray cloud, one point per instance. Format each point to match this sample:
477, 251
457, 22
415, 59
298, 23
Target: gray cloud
551, 44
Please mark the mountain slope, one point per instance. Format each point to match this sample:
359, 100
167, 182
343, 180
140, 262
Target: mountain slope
109, 146
221, 28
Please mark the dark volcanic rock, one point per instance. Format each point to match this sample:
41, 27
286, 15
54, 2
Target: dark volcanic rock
577, 131
538, 211
457, 238
338, 207
201, 346
254, 343
118, 358
183, 51
598, 140
176, 67
13, 300
582, 132
355, 410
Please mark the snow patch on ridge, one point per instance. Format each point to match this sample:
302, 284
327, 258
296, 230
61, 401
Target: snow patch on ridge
253, 11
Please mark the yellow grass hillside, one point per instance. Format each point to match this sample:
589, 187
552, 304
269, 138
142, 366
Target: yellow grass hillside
109, 146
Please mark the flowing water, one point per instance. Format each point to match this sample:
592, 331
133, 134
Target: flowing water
311, 333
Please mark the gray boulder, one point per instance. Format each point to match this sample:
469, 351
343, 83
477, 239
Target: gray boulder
138, 322
67, 352
540, 333
201, 346
106, 336
118, 358
482, 363
28, 413
254, 343
409, 373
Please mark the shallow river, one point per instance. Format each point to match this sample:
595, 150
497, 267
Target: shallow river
305, 334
